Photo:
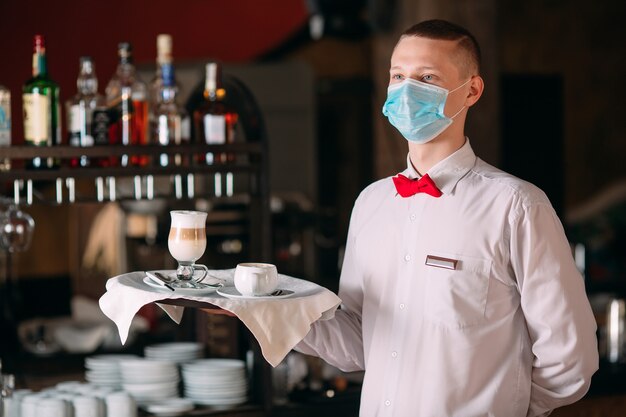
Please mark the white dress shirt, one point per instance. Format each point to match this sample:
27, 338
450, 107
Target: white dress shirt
508, 332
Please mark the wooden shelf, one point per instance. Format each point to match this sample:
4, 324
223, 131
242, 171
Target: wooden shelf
28, 185
122, 172
67, 152
20, 153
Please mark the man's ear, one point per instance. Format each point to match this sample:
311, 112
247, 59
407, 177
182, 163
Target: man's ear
477, 85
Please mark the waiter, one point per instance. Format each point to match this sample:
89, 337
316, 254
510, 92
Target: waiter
460, 293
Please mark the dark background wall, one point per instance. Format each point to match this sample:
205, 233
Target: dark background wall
585, 44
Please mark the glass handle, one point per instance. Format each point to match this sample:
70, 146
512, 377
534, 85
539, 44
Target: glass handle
203, 267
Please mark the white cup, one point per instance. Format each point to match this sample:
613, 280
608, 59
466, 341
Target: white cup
14, 409
120, 404
255, 279
68, 386
85, 406
52, 407
28, 406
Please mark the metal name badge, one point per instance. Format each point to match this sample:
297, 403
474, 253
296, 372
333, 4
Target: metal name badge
439, 262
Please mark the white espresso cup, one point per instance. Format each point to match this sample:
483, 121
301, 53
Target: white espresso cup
120, 404
255, 279
52, 407
85, 406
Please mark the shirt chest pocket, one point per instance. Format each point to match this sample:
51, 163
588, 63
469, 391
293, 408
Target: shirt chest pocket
457, 298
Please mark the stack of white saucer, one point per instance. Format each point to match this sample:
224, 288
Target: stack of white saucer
104, 370
150, 380
216, 382
179, 352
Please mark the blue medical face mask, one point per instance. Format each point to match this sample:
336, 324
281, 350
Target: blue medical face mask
416, 109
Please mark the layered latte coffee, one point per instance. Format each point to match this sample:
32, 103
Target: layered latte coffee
187, 238
187, 244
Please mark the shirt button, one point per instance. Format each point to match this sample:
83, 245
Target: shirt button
407, 258
387, 403
413, 216
394, 354
402, 306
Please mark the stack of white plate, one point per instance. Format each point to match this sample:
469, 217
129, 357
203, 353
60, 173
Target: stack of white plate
149, 380
216, 382
179, 352
104, 370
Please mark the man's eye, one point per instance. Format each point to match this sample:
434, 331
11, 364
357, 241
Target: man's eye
427, 78
397, 77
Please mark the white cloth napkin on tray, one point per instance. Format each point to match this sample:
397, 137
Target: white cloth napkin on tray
278, 324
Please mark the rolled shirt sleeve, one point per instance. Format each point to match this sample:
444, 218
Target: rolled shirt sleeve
559, 319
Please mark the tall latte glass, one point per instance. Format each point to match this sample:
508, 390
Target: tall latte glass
186, 243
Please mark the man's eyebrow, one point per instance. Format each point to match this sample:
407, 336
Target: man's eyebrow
397, 67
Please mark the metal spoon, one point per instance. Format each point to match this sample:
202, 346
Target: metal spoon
163, 280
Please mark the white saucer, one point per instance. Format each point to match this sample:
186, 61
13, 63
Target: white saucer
188, 291
231, 292
171, 407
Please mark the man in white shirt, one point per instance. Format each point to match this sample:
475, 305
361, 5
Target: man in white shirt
460, 294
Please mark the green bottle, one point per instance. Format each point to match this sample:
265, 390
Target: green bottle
42, 116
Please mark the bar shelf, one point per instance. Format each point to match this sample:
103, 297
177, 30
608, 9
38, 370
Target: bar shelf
247, 161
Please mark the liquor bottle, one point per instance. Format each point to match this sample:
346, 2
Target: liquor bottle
5, 125
80, 110
214, 121
164, 57
42, 125
168, 118
127, 98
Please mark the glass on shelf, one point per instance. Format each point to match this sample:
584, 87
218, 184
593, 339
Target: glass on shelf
16, 227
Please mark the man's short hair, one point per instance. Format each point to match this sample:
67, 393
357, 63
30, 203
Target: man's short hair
444, 30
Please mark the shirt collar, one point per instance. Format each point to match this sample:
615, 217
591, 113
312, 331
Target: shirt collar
447, 172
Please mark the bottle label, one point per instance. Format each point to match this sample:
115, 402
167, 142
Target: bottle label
5, 120
100, 126
163, 131
77, 119
79, 126
36, 117
215, 129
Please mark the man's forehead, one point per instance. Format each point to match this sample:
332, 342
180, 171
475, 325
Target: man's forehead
424, 53
416, 46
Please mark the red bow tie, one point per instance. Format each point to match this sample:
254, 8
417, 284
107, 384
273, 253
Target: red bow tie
407, 187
